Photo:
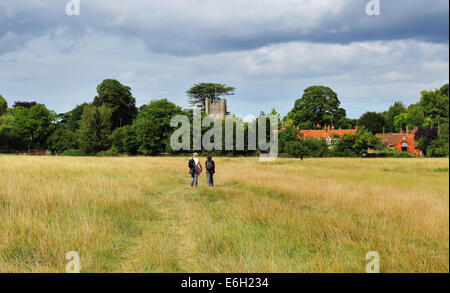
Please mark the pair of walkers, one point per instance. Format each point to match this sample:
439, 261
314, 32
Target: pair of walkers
196, 168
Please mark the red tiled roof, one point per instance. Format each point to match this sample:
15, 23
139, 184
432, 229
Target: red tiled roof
392, 138
325, 133
321, 133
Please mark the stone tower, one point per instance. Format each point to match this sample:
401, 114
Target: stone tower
216, 109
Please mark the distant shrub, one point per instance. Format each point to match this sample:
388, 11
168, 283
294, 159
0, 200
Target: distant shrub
73, 153
343, 154
441, 170
403, 155
109, 153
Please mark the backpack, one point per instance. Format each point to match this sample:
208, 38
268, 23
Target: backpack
191, 164
210, 165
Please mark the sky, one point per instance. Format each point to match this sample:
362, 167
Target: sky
270, 50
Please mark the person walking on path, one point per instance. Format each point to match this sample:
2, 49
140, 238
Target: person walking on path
195, 169
210, 170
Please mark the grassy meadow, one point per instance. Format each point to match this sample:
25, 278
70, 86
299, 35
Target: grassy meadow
139, 214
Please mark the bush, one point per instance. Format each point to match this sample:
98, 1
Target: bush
297, 149
343, 154
403, 155
124, 140
73, 153
108, 153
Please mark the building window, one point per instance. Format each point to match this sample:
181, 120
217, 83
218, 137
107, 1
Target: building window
404, 146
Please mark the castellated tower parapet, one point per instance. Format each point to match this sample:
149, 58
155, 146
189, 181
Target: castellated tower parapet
216, 109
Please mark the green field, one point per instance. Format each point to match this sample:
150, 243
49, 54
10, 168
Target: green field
139, 214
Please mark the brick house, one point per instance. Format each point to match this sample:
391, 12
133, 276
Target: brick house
402, 142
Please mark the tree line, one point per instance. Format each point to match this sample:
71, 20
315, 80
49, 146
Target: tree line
320, 106
112, 124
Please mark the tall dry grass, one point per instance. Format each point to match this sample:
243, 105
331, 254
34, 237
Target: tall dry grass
139, 215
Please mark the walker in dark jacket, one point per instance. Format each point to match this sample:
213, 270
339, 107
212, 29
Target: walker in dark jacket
210, 167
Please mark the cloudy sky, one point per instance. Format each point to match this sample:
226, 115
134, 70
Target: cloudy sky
270, 50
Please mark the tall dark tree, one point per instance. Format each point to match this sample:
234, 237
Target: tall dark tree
444, 91
213, 91
27, 105
74, 117
425, 135
95, 129
374, 122
318, 105
439, 147
396, 109
119, 99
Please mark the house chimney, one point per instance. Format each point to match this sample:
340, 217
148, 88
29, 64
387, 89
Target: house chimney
407, 129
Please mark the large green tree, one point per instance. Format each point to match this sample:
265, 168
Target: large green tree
32, 126
212, 91
62, 139
95, 129
435, 104
373, 121
389, 116
318, 105
3, 106
152, 126
119, 99
124, 140
72, 119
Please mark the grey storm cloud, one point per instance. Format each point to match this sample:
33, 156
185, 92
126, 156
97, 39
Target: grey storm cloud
195, 27
270, 50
